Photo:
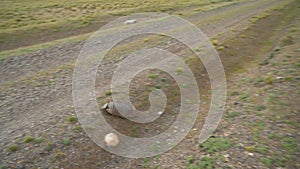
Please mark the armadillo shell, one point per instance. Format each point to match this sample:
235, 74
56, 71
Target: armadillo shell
115, 108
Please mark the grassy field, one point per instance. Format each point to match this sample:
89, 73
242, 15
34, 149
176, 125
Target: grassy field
32, 21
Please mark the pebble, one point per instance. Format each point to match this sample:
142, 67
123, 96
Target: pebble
250, 154
131, 21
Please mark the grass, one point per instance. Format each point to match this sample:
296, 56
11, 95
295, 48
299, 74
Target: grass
152, 76
179, 70
72, 119
264, 62
232, 114
249, 148
220, 48
289, 144
3, 167
157, 86
12, 148
28, 139
244, 96
267, 162
38, 140
260, 107
66, 142
261, 149
29, 17
215, 144
49, 147
215, 42
146, 163
108, 92
269, 80
189, 162
204, 163
135, 128
275, 136
234, 93
20, 51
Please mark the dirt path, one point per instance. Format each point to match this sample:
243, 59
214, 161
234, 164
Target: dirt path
36, 100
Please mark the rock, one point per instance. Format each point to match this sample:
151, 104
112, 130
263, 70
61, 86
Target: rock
279, 78
131, 21
226, 158
111, 139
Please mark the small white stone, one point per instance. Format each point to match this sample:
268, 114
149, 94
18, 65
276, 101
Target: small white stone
279, 77
226, 155
250, 154
131, 21
111, 139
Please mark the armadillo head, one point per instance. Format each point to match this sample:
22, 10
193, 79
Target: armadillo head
108, 107
114, 108
105, 106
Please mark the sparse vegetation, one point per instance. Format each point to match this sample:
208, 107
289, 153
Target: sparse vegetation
267, 162
179, 70
289, 144
152, 76
108, 92
215, 144
28, 139
244, 96
215, 42
49, 147
12, 148
38, 140
206, 163
232, 114
72, 119
66, 142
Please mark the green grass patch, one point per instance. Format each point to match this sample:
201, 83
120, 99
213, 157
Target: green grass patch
276, 136
215, 144
261, 149
152, 76
24, 50
28, 139
206, 163
232, 114
49, 147
38, 140
12, 148
244, 96
108, 92
289, 144
179, 70
267, 162
72, 119
66, 142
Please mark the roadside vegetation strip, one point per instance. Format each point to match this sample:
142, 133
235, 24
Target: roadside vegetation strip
25, 50
20, 15
21, 21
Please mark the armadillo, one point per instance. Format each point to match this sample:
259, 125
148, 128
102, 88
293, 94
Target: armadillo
114, 108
